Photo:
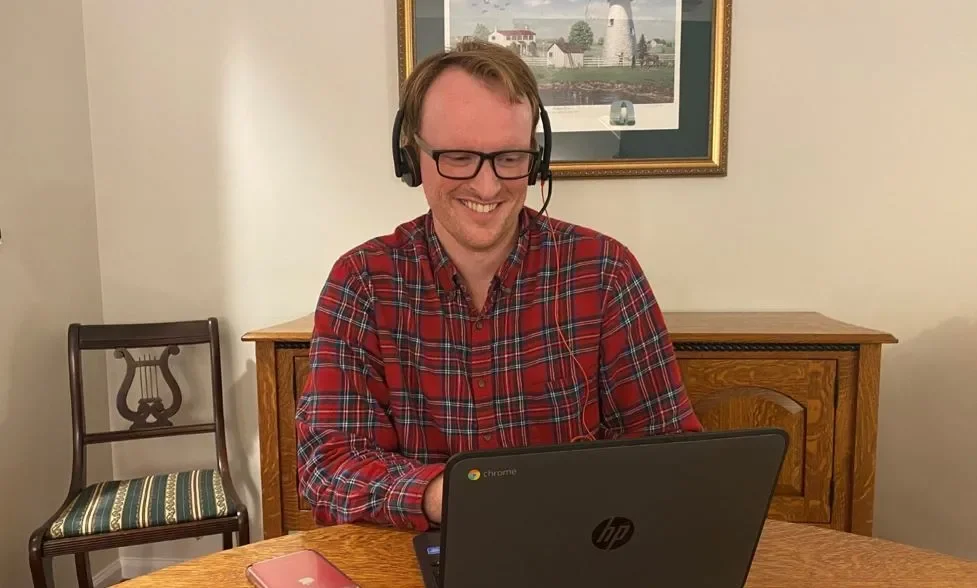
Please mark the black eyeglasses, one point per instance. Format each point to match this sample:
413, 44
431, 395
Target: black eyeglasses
461, 164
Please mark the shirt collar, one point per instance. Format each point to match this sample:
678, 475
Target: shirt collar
447, 274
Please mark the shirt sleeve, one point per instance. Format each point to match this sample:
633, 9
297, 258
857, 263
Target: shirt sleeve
348, 466
640, 381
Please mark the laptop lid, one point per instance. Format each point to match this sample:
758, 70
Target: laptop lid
677, 510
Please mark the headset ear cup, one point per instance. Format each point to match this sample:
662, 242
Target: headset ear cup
534, 168
412, 167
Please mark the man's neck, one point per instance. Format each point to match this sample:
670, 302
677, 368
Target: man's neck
477, 268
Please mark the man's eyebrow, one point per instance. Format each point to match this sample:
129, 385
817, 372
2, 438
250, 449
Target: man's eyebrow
460, 147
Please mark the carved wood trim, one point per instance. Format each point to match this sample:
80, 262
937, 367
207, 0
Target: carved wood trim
705, 346
293, 345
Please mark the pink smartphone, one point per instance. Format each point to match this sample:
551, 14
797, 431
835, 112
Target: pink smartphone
300, 569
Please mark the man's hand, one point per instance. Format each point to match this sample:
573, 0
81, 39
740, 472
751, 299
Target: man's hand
432, 500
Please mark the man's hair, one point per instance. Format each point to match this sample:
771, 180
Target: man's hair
493, 64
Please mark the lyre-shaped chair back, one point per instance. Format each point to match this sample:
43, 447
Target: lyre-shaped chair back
146, 373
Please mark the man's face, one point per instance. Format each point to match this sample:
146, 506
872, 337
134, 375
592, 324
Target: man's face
480, 214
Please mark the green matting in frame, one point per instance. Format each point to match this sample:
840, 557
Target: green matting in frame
633, 88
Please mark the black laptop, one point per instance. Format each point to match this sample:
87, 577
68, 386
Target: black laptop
675, 510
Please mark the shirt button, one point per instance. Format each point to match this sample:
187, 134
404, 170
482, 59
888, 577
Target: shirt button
487, 436
478, 325
481, 383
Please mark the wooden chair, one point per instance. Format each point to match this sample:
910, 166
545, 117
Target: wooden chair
160, 507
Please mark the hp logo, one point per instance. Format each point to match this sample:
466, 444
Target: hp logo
612, 533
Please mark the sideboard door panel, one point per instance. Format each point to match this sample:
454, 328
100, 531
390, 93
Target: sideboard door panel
796, 395
735, 408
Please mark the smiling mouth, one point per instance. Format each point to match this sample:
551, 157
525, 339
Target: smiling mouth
483, 208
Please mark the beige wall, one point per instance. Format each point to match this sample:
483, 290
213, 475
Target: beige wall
238, 152
49, 274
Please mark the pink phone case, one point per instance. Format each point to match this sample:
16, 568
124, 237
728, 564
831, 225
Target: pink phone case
301, 569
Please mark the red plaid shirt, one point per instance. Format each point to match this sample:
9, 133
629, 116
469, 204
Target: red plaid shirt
403, 373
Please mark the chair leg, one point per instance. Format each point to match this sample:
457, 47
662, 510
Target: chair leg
243, 531
228, 540
42, 569
84, 568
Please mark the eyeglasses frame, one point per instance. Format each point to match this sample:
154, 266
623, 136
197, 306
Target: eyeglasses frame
483, 156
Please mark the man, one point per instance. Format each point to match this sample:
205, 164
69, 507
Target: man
478, 325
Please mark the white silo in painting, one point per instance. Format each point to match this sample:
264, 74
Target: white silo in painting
619, 39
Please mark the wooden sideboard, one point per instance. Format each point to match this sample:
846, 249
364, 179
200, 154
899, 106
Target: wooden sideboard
813, 376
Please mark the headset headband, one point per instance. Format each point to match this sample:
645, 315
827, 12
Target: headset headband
544, 166
398, 163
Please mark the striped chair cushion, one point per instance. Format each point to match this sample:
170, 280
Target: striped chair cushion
160, 499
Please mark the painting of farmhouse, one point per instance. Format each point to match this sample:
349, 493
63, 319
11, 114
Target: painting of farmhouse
586, 55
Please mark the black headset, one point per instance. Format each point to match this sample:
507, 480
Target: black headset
407, 163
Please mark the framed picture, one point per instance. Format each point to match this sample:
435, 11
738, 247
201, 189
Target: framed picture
632, 87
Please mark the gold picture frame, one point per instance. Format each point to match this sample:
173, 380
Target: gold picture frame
695, 143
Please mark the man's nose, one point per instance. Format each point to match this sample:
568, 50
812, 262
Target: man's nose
486, 184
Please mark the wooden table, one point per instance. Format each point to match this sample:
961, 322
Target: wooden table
790, 555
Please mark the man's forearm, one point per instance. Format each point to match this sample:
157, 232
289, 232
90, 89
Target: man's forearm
432, 499
345, 482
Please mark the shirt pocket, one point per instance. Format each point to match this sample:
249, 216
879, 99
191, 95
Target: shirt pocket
549, 413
